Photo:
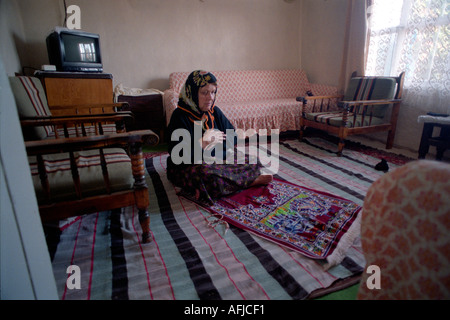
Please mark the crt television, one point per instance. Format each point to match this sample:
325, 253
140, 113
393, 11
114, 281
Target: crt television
74, 50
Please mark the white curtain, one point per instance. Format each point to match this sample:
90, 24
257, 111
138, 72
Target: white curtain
412, 36
353, 58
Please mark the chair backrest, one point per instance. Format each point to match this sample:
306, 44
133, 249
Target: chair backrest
372, 88
31, 102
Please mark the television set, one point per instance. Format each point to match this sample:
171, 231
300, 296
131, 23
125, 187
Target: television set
74, 50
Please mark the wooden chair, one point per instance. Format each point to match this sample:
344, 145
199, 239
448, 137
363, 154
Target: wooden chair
85, 162
370, 104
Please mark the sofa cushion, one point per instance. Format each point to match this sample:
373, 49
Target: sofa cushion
252, 85
90, 172
31, 102
282, 114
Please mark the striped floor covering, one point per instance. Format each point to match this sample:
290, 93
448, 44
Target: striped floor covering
189, 259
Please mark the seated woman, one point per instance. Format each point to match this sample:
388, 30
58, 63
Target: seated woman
206, 181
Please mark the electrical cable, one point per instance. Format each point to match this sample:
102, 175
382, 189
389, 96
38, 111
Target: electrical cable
65, 14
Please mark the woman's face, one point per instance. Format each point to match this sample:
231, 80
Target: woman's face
206, 97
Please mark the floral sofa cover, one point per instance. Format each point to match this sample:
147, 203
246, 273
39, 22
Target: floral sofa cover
255, 99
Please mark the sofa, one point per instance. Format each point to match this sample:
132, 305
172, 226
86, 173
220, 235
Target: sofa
255, 99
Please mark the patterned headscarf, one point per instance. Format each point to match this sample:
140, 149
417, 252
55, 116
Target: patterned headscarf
188, 101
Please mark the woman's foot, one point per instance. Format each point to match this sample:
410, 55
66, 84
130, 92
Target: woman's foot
262, 180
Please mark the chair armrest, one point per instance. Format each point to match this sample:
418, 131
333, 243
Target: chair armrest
147, 137
371, 102
355, 106
76, 119
363, 108
79, 121
312, 98
105, 107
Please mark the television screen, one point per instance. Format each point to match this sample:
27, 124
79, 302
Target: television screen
79, 49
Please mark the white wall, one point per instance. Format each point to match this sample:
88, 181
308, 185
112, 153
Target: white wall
12, 35
323, 25
143, 41
25, 266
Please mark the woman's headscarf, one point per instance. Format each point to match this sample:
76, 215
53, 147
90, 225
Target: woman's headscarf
188, 101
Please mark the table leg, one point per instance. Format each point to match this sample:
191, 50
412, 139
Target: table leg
426, 134
444, 136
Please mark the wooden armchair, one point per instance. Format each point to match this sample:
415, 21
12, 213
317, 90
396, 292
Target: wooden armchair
82, 163
371, 104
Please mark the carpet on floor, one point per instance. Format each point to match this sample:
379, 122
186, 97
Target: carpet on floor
193, 257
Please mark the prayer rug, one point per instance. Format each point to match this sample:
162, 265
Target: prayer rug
312, 222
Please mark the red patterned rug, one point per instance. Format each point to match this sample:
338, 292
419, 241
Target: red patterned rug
311, 222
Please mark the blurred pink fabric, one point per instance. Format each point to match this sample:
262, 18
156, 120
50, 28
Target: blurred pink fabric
405, 231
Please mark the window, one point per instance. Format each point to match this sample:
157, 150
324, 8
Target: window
87, 52
413, 36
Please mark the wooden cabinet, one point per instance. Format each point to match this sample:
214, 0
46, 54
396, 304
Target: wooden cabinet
67, 88
148, 112
76, 88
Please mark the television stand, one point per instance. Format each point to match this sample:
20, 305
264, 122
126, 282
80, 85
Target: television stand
76, 88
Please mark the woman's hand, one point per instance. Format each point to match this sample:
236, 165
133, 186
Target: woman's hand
212, 137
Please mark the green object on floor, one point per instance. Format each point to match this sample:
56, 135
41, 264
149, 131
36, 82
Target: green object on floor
349, 293
158, 148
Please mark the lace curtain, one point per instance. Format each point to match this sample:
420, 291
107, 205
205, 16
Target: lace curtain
412, 36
